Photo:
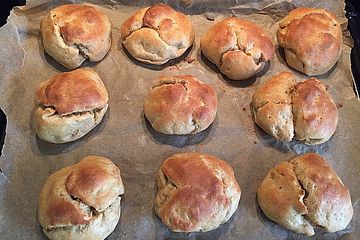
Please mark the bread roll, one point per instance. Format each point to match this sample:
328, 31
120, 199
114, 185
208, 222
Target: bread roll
180, 105
286, 109
73, 33
196, 192
69, 105
239, 48
312, 40
315, 113
81, 201
157, 34
305, 193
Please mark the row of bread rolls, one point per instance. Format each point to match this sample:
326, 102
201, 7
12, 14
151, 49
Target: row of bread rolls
311, 39
196, 192
71, 104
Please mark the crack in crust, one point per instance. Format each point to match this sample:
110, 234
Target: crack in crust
75, 32
69, 105
257, 56
196, 192
81, 201
239, 48
180, 105
305, 193
286, 109
157, 34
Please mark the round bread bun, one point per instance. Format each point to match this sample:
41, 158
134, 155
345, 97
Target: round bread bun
157, 34
180, 105
239, 48
70, 105
81, 201
75, 32
312, 40
286, 109
305, 193
196, 192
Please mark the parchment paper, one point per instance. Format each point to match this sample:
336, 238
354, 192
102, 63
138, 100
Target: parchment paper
126, 138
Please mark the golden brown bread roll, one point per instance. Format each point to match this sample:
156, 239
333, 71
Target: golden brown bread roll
312, 40
157, 34
75, 32
81, 201
180, 105
315, 113
239, 48
196, 192
69, 105
305, 193
286, 109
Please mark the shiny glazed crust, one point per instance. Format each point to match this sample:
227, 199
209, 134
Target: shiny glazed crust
75, 32
81, 201
196, 192
312, 40
157, 34
305, 193
69, 105
239, 48
180, 105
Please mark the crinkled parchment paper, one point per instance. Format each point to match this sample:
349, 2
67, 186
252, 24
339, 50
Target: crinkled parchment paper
126, 138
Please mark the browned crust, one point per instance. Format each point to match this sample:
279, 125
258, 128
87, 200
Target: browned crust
157, 34
238, 47
315, 113
305, 193
75, 91
180, 105
77, 194
280, 196
203, 192
328, 199
312, 39
286, 109
74, 32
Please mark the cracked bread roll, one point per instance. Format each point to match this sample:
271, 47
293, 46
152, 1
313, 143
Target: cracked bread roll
81, 201
180, 105
312, 40
305, 193
286, 109
157, 34
69, 105
75, 32
196, 192
239, 48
